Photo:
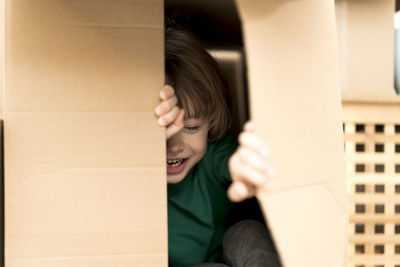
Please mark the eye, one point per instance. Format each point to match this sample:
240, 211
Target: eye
192, 129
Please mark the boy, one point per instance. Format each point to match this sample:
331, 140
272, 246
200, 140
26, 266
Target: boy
196, 118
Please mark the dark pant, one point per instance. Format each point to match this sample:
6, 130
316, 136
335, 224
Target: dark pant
247, 244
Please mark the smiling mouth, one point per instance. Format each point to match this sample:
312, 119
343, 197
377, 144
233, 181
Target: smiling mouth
175, 166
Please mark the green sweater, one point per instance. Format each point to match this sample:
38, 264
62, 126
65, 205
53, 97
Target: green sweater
198, 208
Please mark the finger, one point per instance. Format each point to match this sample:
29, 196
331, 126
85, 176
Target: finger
166, 105
249, 126
245, 172
169, 117
251, 141
239, 191
251, 175
177, 125
253, 159
167, 92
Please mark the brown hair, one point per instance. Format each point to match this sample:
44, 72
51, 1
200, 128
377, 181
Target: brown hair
196, 78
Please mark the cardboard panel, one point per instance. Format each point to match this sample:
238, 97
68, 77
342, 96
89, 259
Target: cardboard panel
366, 37
2, 53
85, 158
295, 104
2, 82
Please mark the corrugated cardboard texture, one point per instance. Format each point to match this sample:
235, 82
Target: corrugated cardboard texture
295, 104
85, 158
366, 37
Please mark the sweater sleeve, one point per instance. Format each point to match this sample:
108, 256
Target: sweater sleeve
217, 155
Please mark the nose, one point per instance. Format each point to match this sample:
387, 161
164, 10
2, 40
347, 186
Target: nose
175, 145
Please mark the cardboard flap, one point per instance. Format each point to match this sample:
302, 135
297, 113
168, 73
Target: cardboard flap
66, 213
295, 103
309, 225
85, 158
2, 54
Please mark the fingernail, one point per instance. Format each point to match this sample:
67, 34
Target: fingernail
158, 111
162, 95
264, 152
271, 172
161, 121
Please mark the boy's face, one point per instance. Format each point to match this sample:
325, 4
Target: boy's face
185, 149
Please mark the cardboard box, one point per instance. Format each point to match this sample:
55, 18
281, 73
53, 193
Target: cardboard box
2, 53
85, 159
295, 103
2, 83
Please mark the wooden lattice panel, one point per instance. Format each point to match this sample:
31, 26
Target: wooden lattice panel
372, 146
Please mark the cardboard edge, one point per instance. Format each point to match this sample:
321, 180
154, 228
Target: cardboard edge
279, 206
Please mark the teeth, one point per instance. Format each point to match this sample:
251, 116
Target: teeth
174, 162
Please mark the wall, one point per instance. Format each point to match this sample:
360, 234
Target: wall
366, 42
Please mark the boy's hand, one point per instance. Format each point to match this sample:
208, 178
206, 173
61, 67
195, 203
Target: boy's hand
248, 166
168, 113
